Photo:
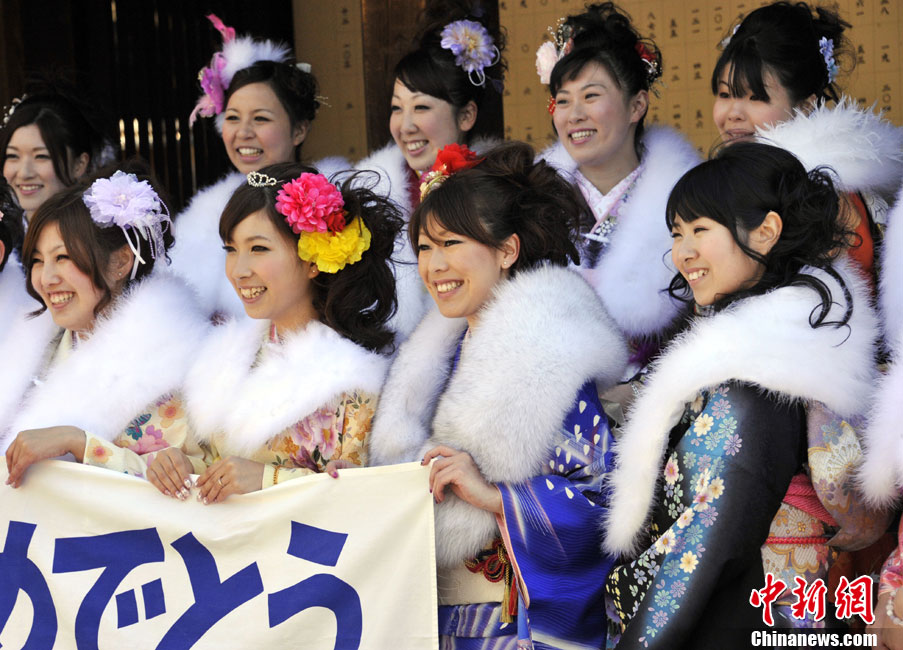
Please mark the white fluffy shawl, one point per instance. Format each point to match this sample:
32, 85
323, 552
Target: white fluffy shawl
139, 351
891, 281
542, 336
864, 149
243, 405
635, 267
198, 256
23, 341
764, 340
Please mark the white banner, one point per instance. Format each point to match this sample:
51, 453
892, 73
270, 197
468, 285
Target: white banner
94, 559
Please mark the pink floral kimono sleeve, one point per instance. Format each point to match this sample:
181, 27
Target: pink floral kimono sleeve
335, 431
163, 424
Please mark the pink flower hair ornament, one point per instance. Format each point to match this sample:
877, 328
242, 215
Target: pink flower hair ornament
237, 54
314, 209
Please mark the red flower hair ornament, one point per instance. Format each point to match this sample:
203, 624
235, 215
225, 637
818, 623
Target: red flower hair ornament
451, 159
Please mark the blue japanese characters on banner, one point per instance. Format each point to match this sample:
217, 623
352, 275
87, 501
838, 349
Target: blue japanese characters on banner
187, 595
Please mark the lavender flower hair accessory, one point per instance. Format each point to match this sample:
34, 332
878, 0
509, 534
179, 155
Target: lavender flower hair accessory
122, 200
473, 48
826, 47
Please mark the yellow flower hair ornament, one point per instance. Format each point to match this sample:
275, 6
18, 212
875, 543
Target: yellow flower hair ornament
332, 252
313, 207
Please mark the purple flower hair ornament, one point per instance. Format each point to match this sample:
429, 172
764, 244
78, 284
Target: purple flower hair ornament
122, 200
473, 48
237, 53
826, 47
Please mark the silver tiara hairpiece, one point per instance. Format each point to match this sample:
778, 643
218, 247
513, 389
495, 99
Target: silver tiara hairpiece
256, 179
13, 105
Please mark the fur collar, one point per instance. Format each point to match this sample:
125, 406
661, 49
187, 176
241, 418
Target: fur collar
198, 256
765, 340
23, 341
635, 267
244, 405
138, 352
864, 149
881, 473
891, 287
542, 336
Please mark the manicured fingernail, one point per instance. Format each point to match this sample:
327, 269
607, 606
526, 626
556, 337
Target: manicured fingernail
335, 475
167, 493
187, 483
206, 502
200, 498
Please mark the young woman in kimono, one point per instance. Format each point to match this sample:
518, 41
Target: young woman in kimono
600, 71
719, 430
499, 387
777, 80
121, 336
445, 92
264, 105
291, 390
50, 139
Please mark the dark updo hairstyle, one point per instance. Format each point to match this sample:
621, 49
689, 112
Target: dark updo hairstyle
296, 90
88, 245
783, 38
358, 300
69, 127
604, 35
431, 69
507, 194
738, 188
11, 224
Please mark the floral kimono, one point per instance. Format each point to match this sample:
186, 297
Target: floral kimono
252, 395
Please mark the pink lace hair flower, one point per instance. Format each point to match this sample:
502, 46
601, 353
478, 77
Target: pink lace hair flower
310, 203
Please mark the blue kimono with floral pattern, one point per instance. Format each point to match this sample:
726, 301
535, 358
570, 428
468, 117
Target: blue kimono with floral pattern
729, 463
552, 537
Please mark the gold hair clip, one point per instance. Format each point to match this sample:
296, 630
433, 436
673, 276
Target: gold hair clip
431, 180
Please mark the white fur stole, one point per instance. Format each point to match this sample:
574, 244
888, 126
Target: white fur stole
864, 149
139, 350
542, 336
763, 340
23, 341
244, 405
634, 269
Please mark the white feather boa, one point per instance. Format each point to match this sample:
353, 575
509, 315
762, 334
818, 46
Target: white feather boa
864, 149
198, 256
542, 336
23, 341
891, 281
243, 405
139, 350
764, 340
635, 267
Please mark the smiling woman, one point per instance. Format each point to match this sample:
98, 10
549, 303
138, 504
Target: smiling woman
520, 455
600, 72
753, 401
291, 390
47, 142
123, 335
264, 106
777, 80
443, 91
